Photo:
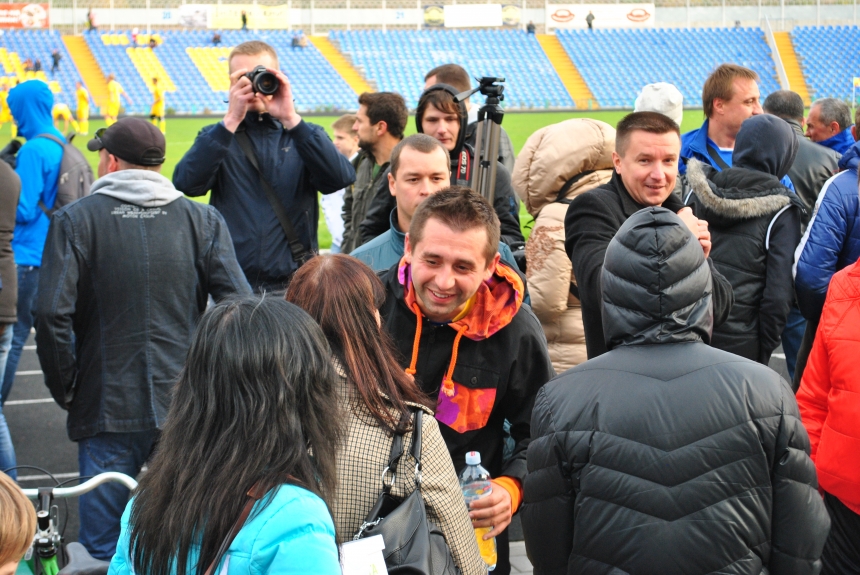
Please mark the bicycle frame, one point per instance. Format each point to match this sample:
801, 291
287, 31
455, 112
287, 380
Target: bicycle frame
41, 558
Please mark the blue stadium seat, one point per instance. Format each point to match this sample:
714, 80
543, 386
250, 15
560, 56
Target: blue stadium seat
829, 59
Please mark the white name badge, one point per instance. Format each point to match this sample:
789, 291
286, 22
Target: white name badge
363, 557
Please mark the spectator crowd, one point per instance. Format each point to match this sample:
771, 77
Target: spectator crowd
611, 370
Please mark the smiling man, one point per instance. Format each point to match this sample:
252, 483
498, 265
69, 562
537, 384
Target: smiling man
455, 313
647, 147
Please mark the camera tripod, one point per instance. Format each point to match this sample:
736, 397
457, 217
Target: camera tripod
489, 131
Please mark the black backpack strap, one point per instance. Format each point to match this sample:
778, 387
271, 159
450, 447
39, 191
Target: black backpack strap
300, 253
50, 211
716, 157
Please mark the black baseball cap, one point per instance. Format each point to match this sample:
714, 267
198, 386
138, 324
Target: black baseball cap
131, 139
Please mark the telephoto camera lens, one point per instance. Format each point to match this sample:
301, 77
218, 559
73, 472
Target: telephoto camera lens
263, 81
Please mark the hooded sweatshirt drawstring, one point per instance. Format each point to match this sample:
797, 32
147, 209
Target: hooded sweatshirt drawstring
411, 370
448, 380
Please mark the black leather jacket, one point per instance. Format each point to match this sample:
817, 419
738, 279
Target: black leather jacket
813, 165
665, 455
124, 279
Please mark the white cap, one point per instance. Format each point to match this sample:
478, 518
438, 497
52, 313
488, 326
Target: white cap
663, 98
473, 458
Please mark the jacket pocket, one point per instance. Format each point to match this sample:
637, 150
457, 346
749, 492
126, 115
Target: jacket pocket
473, 400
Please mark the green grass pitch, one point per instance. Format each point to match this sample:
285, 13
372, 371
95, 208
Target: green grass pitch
182, 131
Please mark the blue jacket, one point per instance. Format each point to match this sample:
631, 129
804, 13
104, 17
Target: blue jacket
38, 167
294, 533
694, 144
297, 163
841, 142
832, 240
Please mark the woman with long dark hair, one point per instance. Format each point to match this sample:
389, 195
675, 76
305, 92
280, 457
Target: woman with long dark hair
377, 397
255, 407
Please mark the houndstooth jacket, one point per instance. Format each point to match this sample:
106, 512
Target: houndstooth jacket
364, 456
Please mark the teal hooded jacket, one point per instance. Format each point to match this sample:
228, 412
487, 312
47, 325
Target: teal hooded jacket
38, 167
292, 534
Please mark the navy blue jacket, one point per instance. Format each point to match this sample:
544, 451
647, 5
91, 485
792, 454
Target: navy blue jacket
297, 163
832, 240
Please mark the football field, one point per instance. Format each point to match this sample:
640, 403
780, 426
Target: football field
182, 131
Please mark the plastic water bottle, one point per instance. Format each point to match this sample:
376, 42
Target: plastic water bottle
475, 483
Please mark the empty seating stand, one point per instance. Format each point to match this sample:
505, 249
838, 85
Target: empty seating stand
397, 60
829, 58
616, 64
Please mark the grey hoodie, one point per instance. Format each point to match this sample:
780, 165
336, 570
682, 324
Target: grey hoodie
143, 188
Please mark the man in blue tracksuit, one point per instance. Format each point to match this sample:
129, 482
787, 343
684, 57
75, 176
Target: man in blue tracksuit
829, 124
296, 158
831, 242
39, 169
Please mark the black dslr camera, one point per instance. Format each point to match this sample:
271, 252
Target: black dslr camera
263, 81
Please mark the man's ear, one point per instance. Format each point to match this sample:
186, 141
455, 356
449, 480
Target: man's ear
113, 164
717, 105
391, 184
616, 161
407, 249
491, 266
834, 128
381, 127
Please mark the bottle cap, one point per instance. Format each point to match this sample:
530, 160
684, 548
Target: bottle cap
473, 458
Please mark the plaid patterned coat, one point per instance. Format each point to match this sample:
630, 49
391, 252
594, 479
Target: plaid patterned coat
365, 455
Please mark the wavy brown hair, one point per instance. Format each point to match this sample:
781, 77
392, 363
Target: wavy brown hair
344, 295
257, 393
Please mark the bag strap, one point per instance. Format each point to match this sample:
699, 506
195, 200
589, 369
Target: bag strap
416, 444
254, 494
300, 253
42, 206
716, 157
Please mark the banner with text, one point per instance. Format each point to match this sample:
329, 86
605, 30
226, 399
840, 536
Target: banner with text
571, 16
473, 15
23, 15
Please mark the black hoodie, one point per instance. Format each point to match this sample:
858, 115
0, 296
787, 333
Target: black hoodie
755, 228
505, 201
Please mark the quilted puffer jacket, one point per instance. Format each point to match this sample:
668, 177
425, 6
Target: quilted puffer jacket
832, 240
558, 163
829, 394
665, 455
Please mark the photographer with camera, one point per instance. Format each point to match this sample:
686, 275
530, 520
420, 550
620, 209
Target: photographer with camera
264, 165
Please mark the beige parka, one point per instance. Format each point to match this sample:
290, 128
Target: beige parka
552, 157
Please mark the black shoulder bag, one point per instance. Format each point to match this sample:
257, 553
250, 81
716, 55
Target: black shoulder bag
300, 253
413, 544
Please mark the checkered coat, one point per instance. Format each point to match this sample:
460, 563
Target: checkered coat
362, 460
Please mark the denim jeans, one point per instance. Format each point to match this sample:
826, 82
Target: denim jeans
28, 283
792, 335
102, 508
7, 451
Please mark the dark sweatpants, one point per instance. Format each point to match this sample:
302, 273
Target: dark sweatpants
841, 554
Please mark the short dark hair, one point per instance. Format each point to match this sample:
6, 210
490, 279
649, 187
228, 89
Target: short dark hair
833, 110
651, 122
388, 107
784, 104
720, 84
461, 209
451, 74
418, 142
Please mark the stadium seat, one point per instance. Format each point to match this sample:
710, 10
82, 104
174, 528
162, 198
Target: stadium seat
829, 71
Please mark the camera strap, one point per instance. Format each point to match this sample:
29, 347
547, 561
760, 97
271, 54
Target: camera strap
300, 253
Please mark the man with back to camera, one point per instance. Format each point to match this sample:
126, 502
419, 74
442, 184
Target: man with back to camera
381, 120
127, 272
647, 146
457, 318
829, 124
419, 169
666, 455
38, 167
296, 159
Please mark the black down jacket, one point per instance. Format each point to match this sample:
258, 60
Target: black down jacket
665, 455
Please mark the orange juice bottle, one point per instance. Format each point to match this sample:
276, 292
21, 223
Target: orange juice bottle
475, 483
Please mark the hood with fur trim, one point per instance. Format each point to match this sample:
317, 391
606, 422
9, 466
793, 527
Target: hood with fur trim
736, 193
562, 161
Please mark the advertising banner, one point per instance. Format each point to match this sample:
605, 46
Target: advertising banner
434, 15
572, 16
511, 14
194, 15
23, 15
473, 15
